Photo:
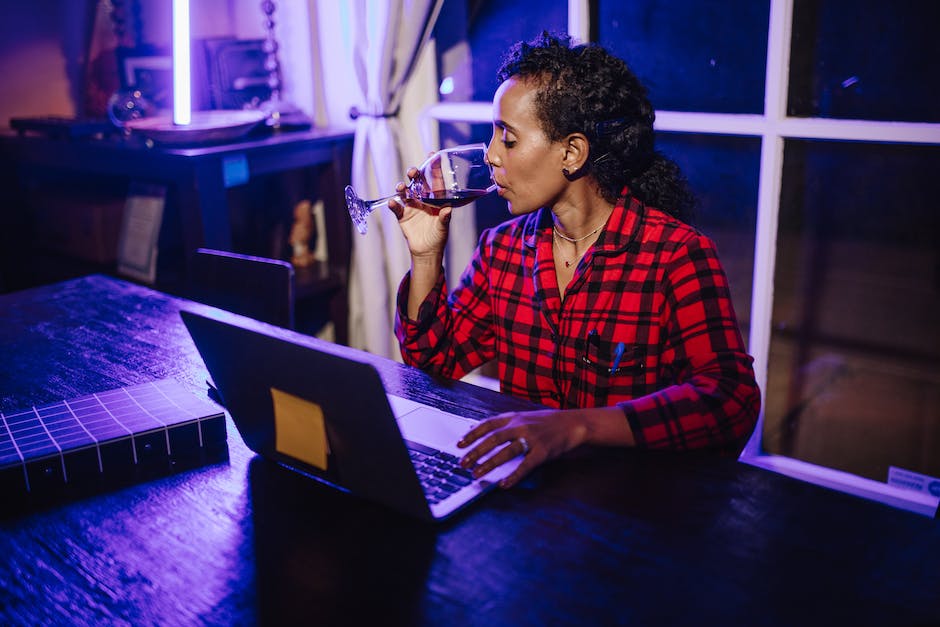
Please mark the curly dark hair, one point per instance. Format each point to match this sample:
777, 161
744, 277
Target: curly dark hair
585, 89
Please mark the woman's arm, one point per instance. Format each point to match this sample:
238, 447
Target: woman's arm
548, 434
448, 334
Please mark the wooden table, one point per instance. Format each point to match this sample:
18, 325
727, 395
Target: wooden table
599, 537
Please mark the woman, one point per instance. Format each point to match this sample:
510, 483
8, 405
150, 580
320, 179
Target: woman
597, 300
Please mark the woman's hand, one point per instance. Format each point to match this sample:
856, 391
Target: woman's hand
424, 226
540, 436
537, 435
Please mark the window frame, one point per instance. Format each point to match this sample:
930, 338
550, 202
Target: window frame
773, 128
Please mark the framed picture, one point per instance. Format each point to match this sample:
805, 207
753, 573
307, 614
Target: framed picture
140, 231
149, 70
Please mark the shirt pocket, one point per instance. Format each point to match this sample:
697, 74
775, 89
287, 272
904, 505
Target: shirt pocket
611, 359
609, 370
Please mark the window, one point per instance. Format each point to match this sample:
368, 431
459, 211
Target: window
865, 59
854, 376
846, 272
811, 133
692, 56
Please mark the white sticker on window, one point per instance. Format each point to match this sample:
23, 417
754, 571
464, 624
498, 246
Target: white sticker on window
908, 480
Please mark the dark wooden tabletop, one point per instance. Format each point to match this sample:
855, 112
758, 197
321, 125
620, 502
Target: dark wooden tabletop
600, 537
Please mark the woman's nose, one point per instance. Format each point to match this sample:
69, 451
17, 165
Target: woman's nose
491, 157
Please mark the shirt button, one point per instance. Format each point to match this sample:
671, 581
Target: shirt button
553, 336
556, 396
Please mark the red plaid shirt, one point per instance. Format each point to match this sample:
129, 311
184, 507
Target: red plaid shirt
650, 283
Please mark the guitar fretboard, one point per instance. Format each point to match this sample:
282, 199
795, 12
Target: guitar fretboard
131, 431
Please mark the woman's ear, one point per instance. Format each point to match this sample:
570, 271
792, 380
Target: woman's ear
577, 150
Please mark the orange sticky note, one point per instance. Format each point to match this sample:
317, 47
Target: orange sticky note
299, 429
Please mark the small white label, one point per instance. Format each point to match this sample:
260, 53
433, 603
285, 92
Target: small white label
908, 480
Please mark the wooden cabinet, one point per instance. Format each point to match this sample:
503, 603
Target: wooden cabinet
205, 187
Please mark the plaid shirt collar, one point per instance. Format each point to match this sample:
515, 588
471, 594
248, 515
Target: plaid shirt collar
622, 227
622, 230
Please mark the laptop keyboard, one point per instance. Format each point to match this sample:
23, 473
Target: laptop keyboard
440, 472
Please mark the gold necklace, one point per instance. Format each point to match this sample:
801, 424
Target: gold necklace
572, 239
568, 261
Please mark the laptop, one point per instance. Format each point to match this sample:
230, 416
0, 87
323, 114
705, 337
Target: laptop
321, 409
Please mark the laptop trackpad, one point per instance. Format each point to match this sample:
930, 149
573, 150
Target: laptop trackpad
441, 430
435, 428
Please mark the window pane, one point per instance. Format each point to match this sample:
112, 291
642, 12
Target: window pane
496, 25
692, 55
865, 59
854, 364
723, 172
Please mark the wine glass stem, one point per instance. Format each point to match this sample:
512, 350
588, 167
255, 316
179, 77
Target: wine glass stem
381, 201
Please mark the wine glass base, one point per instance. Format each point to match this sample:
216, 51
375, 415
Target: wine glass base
358, 210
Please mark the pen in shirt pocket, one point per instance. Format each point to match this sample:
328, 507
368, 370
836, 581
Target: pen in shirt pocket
592, 339
616, 356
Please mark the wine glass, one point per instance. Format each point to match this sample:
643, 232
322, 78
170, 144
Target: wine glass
451, 177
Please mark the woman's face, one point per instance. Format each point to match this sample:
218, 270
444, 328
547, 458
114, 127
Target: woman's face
526, 164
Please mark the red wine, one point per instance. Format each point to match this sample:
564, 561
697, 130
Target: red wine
454, 199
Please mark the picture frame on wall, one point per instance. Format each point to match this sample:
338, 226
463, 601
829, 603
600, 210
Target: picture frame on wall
149, 70
140, 231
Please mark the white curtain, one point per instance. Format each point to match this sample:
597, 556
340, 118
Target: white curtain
373, 55
388, 37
